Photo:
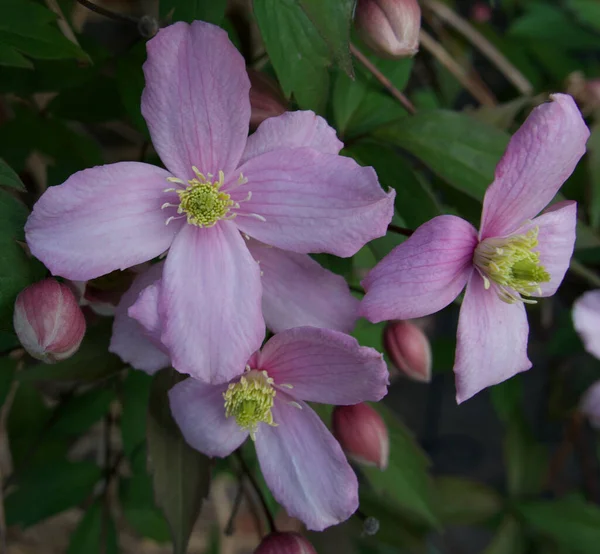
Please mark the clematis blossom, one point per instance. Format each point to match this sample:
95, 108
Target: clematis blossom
586, 319
302, 463
285, 186
514, 257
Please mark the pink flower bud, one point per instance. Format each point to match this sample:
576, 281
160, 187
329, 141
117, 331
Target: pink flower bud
266, 99
481, 12
285, 543
48, 321
362, 433
389, 27
408, 348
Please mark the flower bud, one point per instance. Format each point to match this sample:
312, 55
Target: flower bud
266, 99
481, 12
48, 321
285, 543
408, 348
389, 27
362, 433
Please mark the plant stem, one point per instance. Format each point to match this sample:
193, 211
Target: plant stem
229, 528
582, 271
108, 13
404, 101
400, 230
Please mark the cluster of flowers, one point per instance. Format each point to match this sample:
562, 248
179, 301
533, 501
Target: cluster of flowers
230, 223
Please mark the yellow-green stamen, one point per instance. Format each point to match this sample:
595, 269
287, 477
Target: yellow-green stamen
250, 400
511, 263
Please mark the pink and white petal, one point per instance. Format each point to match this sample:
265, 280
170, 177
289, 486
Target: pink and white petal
196, 101
312, 202
101, 219
199, 410
491, 341
325, 366
423, 274
210, 303
292, 130
297, 291
129, 340
145, 310
590, 404
556, 240
540, 157
586, 319
304, 466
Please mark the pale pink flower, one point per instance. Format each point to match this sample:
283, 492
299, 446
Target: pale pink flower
302, 463
285, 186
586, 319
513, 257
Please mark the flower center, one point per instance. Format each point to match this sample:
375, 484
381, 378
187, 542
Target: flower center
250, 400
512, 264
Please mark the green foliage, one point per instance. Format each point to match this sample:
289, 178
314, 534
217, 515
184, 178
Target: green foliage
509, 539
464, 502
212, 11
96, 533
9, 178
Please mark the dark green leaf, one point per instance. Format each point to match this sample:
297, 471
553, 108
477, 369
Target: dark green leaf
593, 159
51, 489
464, 502
8, 366
135, 396
586, 11
9, 178
80, 412
11, 58
96, 533
507, 397
130, 83
212, 11
181, 474
296, 50
509, 539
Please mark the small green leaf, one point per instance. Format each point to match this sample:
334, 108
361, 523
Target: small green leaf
49, 490
464, 502
586, 11
9, 178
130, 84
212, 11
134, 400
96, 532
509, 539
80, 412
507, 397
181, 474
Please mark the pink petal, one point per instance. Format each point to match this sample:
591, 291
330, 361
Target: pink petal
556, 240
325, 366
145, 310
196, 101
210, 303
313, 202
491, 342
129, 339
292, 130
101, 219
297, 291
586, 318
305, 468
423, 274
199, 410
590, 404
540, 157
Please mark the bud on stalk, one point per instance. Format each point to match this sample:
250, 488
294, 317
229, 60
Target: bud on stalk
362, 434
389, 27
285, 543
48, 321
408, 348
266, 99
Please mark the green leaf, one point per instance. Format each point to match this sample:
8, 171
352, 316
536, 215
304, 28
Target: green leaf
9, 178
80, 412
458, 148
96, 533
464, 502
593, 160
130, 84
90, 363
212, 11
296, 50
17, 270
135, 395
405, 484
509, 539
507, 397
333, 18
571, 522
137, 501
10, 57
8, 367
586, 11
51, 489
181, 474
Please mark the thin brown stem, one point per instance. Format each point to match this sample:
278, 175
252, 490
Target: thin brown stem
479, 91
502, 63
406, 103
400, 230
239, 495
108, 13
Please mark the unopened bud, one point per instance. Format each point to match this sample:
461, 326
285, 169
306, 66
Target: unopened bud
370, 526
266, 98
285, 543
389, 27
362, 434
48, 321
408, 349
481, 12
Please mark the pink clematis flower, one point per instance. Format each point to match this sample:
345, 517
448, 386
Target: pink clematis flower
302, 463
285, 186
510, 260
586, 319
